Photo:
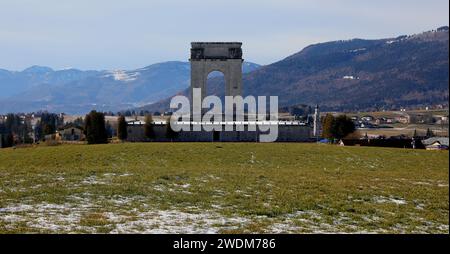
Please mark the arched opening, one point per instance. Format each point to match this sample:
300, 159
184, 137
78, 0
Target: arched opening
215, 84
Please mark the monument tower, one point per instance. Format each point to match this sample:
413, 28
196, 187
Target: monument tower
225, 57
316, 129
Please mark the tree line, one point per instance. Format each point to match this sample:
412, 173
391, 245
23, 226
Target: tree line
337, 127
17, 128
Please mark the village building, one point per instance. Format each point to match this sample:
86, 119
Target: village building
71, 132
288, 131
384, 120
420, 118
367, 118
436, 143
402, 119
135, 131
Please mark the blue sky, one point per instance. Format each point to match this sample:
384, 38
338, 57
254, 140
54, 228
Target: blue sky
113, 34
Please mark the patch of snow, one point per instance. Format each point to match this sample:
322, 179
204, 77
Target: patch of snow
382, 199
357, 50
350, 77
16, 208
161, 188
421, 183
60, 178
184, 186
173, 221
91, 180
121, 75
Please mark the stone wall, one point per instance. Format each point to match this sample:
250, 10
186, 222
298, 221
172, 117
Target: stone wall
286, 133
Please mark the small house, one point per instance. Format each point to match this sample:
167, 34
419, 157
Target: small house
71, 132
367, 118
436, 143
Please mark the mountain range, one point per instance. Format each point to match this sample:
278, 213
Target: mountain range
352, 75
77, 92
346, 75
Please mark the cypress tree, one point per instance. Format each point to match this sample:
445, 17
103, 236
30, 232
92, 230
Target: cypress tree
170, 133
343, 126
148, 127
122, 132
337, 127
429, 133
95, 128
328, 126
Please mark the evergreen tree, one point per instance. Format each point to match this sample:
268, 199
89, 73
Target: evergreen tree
170, 133
109, 130
19, 126
7, 140
148, 127
79, 122
48, 129
48, 124
429, 133
38, 133
343, 126
327, 126
337, 127
87, 123
95, 128
122, 132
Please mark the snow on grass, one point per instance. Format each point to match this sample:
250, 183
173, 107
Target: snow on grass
317, 223
42, 217
90, 180
383, 199
173, 221
182, 188
69, 217
87, 213
421, 183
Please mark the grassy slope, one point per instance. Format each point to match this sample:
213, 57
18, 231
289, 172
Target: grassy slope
223, 187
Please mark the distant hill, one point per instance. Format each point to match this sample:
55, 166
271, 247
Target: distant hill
77, 92
354, 74
15, 82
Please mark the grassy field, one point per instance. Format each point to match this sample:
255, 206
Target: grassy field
223, 188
